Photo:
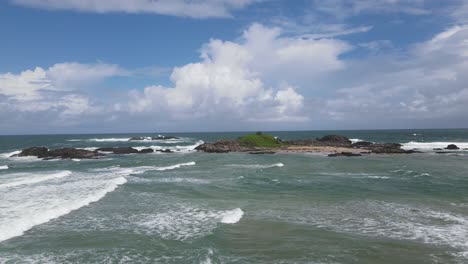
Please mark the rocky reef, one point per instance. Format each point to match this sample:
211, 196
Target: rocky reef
74, 153
335, 145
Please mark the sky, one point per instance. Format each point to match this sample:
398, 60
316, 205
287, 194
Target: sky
117, 66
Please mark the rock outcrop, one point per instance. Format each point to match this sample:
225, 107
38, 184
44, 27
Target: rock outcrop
34, 151
63, 153
388, 148
223, 146
452, 147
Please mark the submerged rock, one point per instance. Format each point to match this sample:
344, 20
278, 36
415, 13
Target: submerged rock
165, 150
452, 147
389, 148
119, 150
147, 150
140, 138
159, 137
345, 154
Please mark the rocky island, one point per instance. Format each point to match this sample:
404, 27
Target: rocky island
332, 145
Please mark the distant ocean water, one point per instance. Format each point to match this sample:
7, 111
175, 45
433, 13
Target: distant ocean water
190, 207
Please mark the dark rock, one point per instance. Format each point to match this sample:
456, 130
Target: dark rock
362, 144
71, 153
147, 150
165, 150
452, 147
443, 152
389, 148
159, 137
345, 154
262, 152
119, 150
223, 146
437, 149
34, 151
140, 138
63, 153
336, 139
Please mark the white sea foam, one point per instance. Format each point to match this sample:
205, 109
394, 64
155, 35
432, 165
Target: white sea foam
185, 223
32, 203
176, 166
109, 139
378, 177
4, 167
257, 166
233, 216
355, 140
180, 149
143, 169
391, 220
9, 154
18, 179
429, 146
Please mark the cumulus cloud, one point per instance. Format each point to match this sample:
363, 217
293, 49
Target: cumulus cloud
229, 78
54, 89
184, 8
429, 83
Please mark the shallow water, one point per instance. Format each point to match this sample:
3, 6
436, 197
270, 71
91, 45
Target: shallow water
190, 207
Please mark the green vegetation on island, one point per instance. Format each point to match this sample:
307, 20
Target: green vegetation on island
259, 139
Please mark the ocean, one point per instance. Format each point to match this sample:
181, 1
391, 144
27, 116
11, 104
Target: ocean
191, 207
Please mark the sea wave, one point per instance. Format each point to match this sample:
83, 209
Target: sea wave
18, 179
185, 223
257, 166
181, 149
355, 140
33, 203
9, 154
429, 146
4, 167
391, 220
109, 139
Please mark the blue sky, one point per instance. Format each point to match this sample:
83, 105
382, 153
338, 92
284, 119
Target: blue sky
89, 66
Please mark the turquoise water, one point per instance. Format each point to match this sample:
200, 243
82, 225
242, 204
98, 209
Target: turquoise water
190, 207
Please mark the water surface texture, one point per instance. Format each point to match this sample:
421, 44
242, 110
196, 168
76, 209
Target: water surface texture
189, 207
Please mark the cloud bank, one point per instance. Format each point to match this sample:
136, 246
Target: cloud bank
263, 79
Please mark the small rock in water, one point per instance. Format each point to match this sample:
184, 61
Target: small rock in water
345, 154
452, 146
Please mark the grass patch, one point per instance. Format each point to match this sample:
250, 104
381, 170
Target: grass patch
259, 140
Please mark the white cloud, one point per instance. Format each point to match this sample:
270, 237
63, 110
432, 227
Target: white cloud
186, 8
430, 83
24, 86
71, 74
53, 89
229, 79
